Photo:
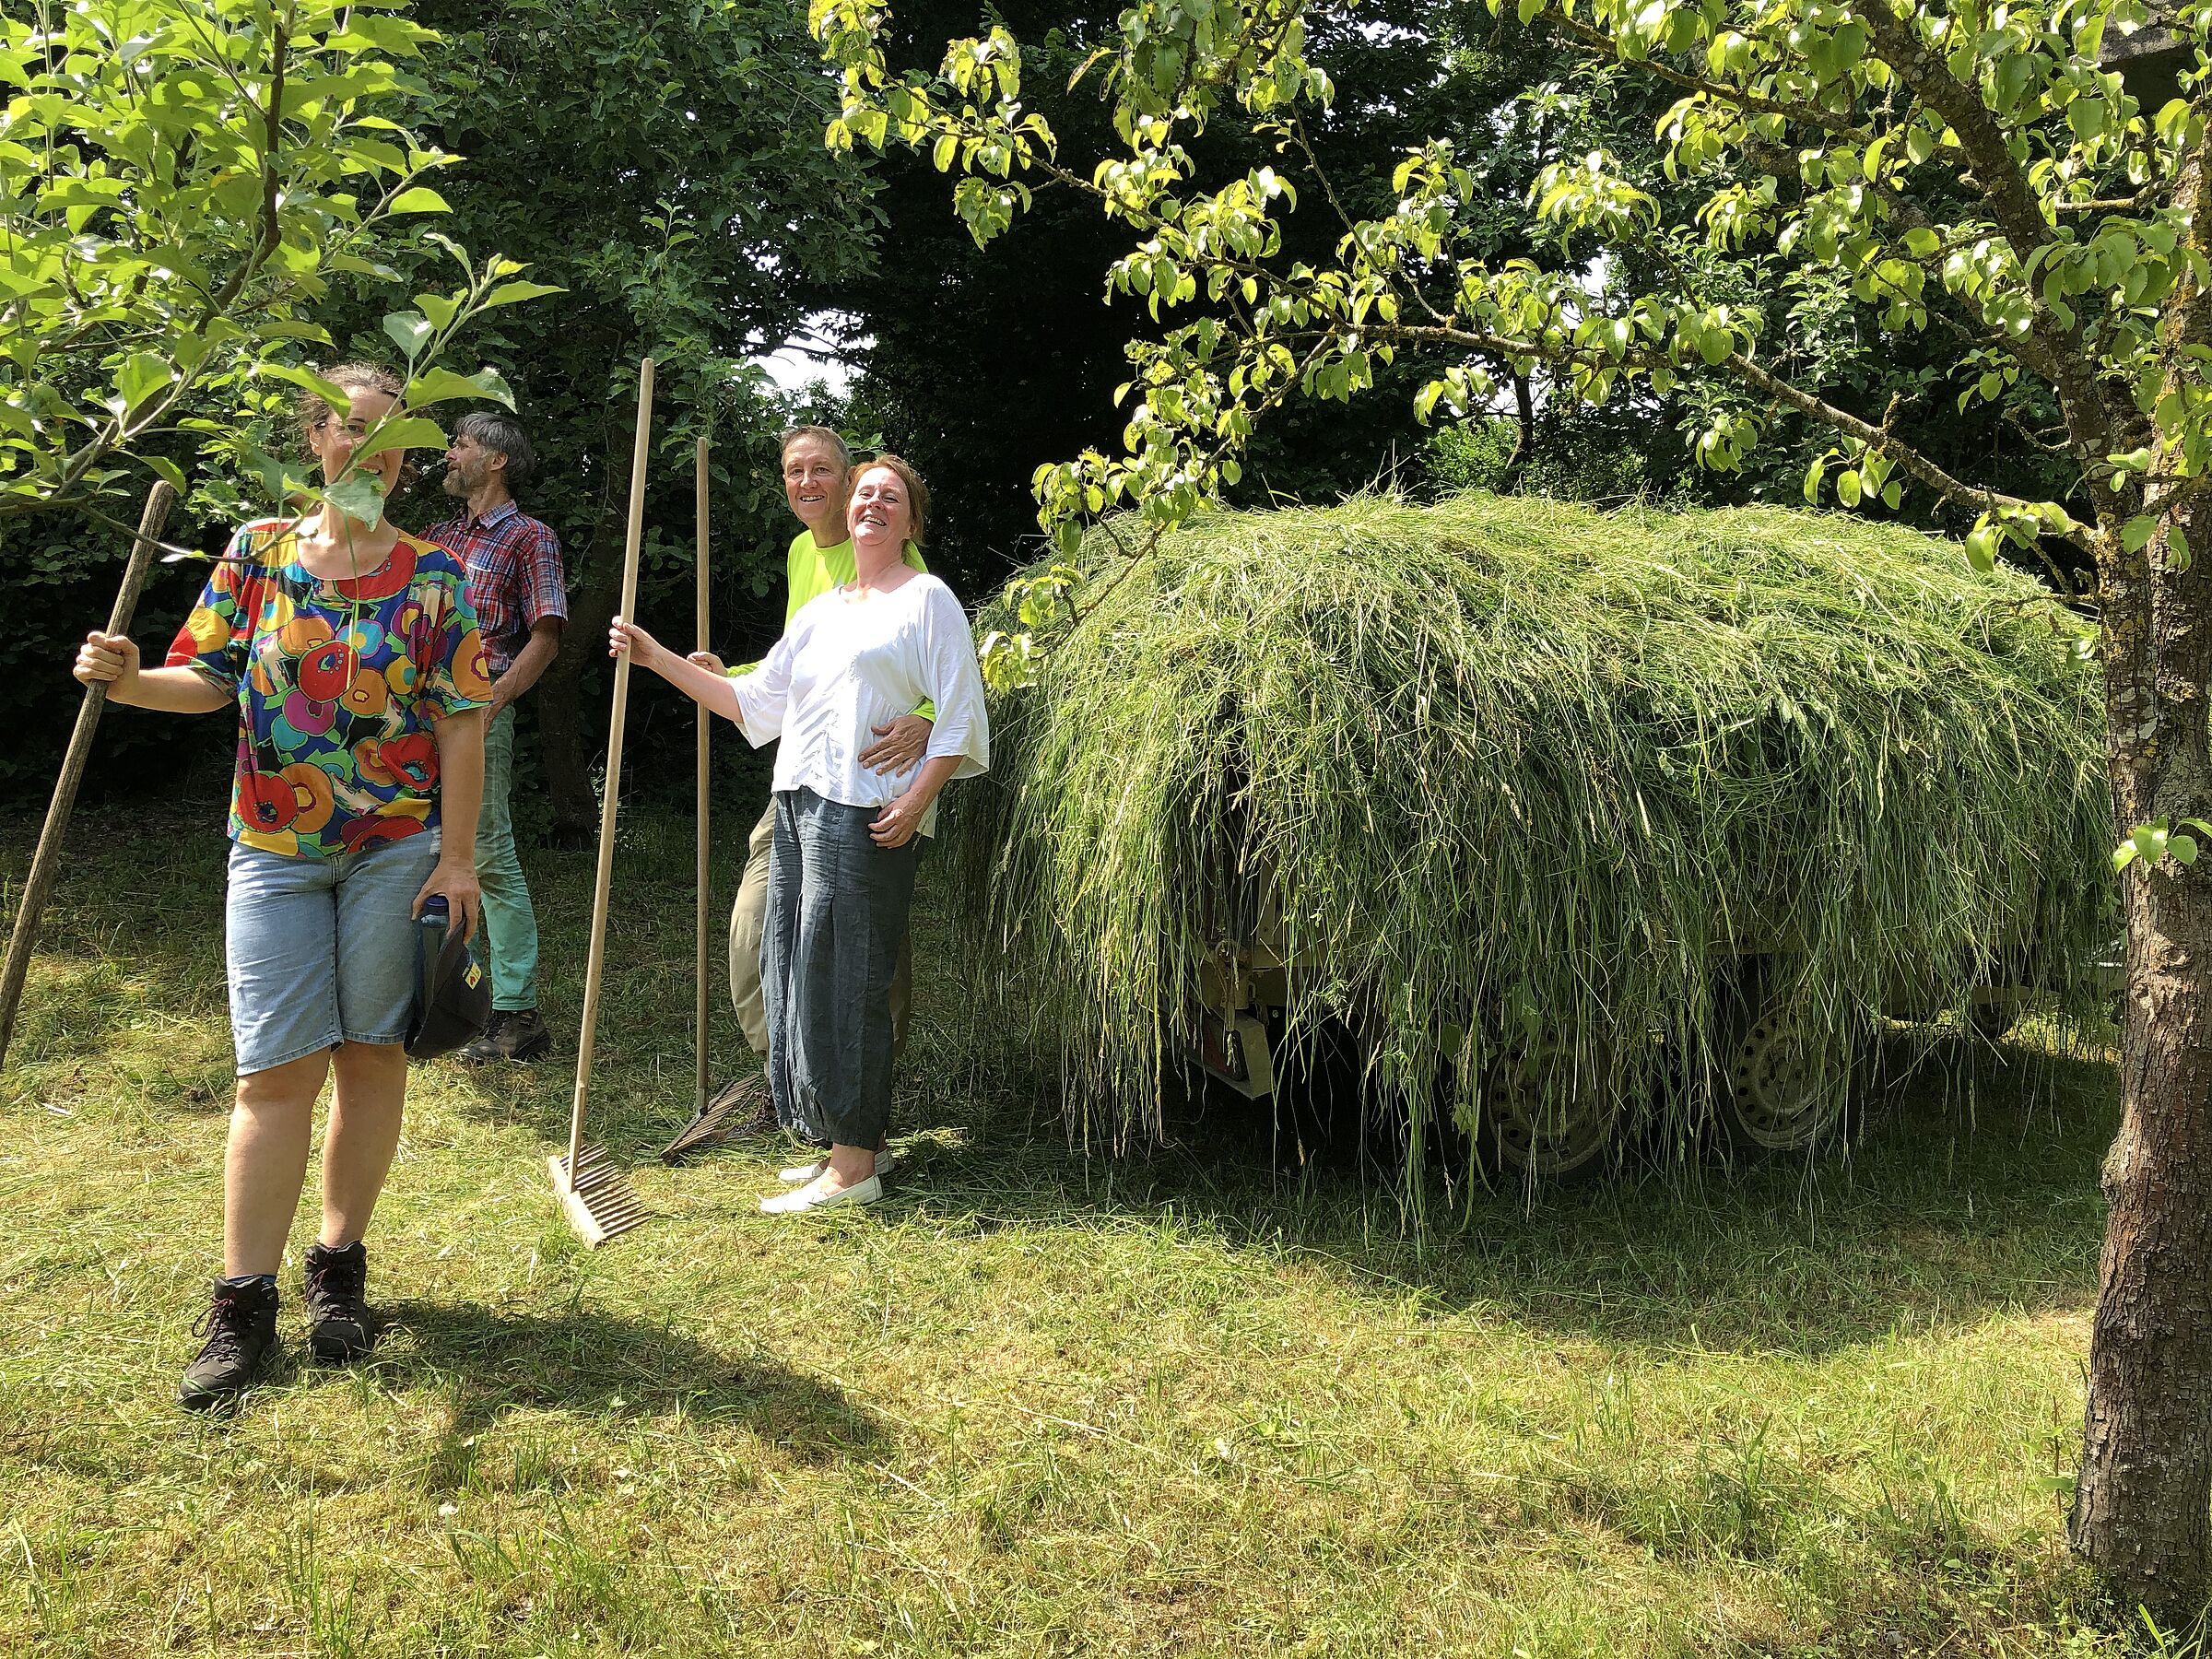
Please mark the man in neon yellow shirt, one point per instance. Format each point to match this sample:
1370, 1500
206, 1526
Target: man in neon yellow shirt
817, 477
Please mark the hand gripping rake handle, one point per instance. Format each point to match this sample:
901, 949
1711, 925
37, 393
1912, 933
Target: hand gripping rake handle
47, 861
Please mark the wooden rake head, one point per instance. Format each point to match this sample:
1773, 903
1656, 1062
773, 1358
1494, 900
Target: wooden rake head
599, 1202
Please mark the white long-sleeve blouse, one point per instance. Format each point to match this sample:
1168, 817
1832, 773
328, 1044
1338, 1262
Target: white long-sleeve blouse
849, 663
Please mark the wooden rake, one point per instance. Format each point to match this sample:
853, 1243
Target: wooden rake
594, 1193
46, 862
702, 484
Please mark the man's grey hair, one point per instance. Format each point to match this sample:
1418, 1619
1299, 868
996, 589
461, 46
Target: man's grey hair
496, 430
820, 435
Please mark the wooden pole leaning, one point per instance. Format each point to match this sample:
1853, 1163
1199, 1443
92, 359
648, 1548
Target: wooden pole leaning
46, 862
596, 1195
706, 721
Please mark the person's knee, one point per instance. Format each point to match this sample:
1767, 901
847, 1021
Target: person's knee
372, 1063
281, 1091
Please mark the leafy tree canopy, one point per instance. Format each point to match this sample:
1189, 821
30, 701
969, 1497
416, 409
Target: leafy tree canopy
179, 185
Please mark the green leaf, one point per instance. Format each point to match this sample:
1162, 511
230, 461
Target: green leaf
357, 496
442, 386
2178, 557
1982, 542
514, 293
2181, 849
410, 331
420, 198
307, 380
1893, 496
410, 431
141, 377
1847, 488
2138, 531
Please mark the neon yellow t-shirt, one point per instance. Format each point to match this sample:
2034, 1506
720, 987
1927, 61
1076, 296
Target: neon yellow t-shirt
809, 571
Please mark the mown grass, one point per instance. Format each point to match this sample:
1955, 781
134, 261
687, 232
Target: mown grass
1037, 1403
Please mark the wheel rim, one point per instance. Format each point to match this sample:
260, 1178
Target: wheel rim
1786, 1086
1544, 1133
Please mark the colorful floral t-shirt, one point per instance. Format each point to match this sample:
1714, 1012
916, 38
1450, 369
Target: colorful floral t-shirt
338, 686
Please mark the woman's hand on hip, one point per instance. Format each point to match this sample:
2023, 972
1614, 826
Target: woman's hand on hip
463, 896
905, 737
643, 648
900, 823
110, 660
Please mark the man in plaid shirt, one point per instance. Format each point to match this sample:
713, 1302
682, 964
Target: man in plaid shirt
515, 583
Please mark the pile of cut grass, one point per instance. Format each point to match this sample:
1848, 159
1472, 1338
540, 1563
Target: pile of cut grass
1524, 775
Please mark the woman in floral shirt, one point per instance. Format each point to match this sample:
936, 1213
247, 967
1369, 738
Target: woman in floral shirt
354, 663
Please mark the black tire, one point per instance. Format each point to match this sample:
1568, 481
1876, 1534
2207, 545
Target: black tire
1782, 1083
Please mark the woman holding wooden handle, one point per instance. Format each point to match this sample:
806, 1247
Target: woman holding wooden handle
848, 839
354, 667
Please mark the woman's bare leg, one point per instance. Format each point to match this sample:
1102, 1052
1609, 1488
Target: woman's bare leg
365, 1112
266, 1164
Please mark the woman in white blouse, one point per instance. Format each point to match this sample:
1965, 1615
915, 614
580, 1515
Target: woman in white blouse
847, 839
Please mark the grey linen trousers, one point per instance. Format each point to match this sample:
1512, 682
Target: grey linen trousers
835, 928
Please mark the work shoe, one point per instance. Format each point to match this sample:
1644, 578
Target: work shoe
743, 1110
337, 1313
513, 1034
240, 1328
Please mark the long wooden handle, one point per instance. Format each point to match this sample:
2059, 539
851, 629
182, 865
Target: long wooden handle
46, 862
633, 539
700, 812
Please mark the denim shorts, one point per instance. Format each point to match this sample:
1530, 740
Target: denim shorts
321, 950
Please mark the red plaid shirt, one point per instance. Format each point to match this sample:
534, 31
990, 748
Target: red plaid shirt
514, 576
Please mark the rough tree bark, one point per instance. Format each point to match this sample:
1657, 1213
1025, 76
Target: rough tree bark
2142, 1503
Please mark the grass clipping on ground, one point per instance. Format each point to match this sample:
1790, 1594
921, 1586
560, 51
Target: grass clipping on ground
1526, 780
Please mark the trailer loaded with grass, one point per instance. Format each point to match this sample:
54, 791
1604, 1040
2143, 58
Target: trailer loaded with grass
1577, 830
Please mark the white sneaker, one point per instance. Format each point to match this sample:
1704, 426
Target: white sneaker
812, 1197
799, 1175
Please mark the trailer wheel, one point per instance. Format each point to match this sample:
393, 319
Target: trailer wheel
1783, 1083
1993, 1021
1541, 1123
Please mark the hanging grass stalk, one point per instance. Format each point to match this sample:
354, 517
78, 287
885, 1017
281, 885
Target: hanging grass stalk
1522, 779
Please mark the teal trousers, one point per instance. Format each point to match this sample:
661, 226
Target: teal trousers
510, 924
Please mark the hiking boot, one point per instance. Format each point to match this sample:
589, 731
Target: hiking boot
743, 1110
513, 1034
240, 1328
338, 1314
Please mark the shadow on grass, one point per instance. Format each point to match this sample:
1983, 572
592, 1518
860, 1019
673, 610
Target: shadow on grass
1973, 1191
492, 1365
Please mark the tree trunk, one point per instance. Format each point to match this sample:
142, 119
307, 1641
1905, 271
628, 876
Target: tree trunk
2144, 1497
2140, 1508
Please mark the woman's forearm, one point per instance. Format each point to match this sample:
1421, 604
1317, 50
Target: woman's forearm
703, 685
936, 771
170, 691
459, 784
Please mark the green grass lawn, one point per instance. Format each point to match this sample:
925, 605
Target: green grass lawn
1035, 1403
